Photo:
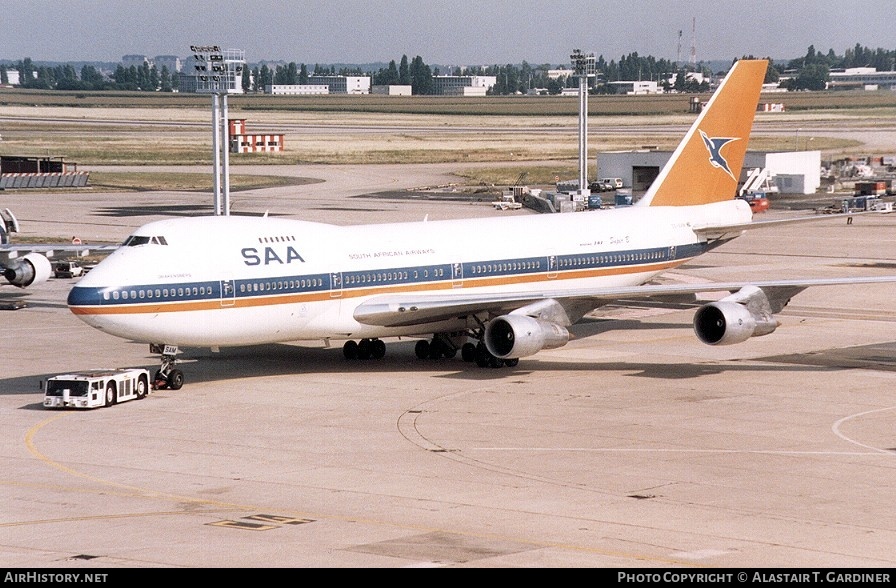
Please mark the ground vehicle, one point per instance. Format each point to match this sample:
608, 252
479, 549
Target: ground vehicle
508, 201
612, 183
603, 185
759, 202
67, 269
94, 388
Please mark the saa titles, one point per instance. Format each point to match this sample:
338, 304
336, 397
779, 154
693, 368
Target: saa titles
252, 256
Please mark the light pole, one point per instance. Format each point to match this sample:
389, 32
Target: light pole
219, 73
583, 66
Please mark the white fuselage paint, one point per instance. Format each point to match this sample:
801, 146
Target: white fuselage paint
230, 280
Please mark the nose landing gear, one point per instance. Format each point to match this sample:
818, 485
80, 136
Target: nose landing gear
167, 377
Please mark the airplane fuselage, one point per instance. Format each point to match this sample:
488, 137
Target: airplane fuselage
230, 280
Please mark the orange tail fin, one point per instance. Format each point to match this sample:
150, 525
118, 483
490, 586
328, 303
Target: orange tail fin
706, 165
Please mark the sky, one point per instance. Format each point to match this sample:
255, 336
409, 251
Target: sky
449, 33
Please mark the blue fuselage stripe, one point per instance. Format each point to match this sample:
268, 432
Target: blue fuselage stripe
344, 283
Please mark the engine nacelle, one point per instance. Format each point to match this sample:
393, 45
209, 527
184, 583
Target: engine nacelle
517, 335
725, 323
32, 269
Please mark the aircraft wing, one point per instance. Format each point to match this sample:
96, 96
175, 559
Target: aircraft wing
13, 250
24, 265
398, 310
9, 224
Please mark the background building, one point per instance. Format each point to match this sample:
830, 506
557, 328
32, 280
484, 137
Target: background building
12, 74
463, 85
342, 84
136, 61
297, 89
172, 62
242, 142
794, 172
645, 87
393, 90
863, 78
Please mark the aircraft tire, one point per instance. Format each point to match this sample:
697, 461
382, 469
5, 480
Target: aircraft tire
364, 349
350, 350
468, 352
421, 349
175, 379
482, 356
378, 348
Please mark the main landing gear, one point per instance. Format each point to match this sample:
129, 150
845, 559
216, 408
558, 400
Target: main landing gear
441, 345
167, 377
364, 349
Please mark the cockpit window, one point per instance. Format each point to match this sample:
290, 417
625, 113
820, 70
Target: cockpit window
135, 240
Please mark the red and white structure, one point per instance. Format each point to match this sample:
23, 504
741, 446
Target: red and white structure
242, 142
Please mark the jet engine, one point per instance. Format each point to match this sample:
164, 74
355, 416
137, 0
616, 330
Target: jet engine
31, 269
518, 335
735, 318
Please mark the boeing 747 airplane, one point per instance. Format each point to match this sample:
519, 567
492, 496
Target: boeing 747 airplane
497, 289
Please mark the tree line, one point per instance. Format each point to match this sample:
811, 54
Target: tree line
510, 78
414, 73
810, 72
64, 77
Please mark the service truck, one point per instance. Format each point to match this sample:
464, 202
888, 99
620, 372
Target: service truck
95, 388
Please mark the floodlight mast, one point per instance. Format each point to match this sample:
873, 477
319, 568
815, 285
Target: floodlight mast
219, 73
584, 67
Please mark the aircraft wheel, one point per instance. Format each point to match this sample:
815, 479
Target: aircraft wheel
421, 349
512, 362
350, 350
482, 356
364, 349
175, 379
378, 348
468, 352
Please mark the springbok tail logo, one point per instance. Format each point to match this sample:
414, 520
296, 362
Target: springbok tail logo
714, 146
